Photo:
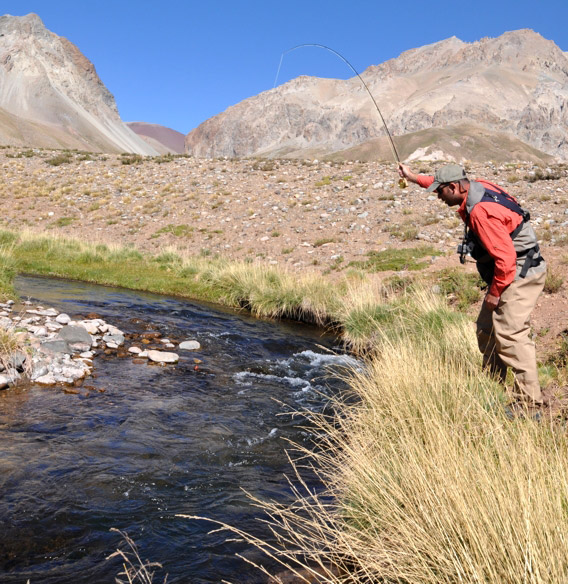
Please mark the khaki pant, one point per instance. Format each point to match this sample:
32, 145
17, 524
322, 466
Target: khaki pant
504, 339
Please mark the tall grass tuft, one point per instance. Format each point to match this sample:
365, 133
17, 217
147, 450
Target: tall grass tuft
428, 480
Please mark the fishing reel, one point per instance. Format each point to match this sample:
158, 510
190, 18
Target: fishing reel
402, 183
465, 248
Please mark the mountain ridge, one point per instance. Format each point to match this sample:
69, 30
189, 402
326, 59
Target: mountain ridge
53, 94
514, 85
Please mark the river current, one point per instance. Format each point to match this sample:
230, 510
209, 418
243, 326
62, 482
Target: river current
140, 444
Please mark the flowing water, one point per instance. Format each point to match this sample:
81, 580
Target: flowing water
140, 444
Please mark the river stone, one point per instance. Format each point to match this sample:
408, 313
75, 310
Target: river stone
48, 312
135, 350
5, 323
115, 339
47, 379
39, 370
189, 345
91, 326
75, 334
4, 381
17, 360
12, 375
63, 318
55, 346
163, 357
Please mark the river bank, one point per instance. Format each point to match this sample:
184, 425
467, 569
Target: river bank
311, 218
138, 443
400, 464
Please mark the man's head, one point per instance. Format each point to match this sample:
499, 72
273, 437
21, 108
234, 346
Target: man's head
450, 184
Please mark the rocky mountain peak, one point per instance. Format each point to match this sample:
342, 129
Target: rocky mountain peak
46, 80
512, 90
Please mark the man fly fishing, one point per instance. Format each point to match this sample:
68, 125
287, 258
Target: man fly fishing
499, 237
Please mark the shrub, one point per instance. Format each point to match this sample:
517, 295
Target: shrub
64, 158
553, 283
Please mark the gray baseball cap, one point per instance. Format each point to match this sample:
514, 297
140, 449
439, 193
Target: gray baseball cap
447, 174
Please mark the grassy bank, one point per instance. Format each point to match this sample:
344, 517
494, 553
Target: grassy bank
428, 480
353, 304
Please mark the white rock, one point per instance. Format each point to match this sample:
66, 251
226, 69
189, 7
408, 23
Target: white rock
91, 326
47, 379
135, 350
163, 357
189, 346
63, 318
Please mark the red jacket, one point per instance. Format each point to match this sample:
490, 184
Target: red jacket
493, 225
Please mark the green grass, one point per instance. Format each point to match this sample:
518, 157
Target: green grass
461, 288
395, 259
182, 230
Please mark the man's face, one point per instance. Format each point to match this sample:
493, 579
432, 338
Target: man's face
449, 193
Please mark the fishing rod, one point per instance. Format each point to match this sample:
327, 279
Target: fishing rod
402, 182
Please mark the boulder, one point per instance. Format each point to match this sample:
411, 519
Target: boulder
75, 334
55, 346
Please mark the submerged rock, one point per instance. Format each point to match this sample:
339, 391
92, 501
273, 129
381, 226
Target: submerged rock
189, 346
163, 357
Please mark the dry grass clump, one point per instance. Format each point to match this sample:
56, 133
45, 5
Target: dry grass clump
10, 344
134, 569
428, 480
274, 293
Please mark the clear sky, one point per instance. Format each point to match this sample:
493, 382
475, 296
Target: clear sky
177, 63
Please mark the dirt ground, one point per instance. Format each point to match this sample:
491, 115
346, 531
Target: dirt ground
302, 215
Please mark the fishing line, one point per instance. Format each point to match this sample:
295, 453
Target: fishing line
391, 141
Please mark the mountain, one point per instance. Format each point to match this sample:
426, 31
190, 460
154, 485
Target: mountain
163, 139
51, 95
450, 99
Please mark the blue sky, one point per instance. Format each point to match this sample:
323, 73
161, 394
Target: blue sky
177, 63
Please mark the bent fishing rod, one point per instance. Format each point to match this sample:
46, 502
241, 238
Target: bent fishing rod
402, 182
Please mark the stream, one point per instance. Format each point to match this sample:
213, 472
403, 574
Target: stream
139, 443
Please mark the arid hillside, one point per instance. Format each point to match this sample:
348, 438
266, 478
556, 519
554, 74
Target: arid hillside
299, 215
